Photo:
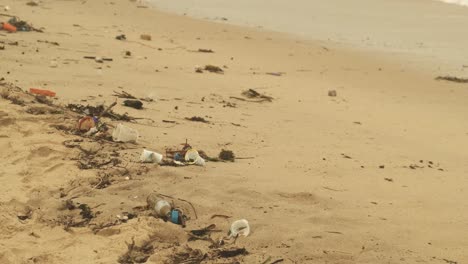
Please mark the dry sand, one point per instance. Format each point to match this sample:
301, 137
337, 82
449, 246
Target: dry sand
330, 180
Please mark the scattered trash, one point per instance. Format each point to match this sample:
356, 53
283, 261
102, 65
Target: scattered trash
212, 68
121, 37
161, 207
148, 156
382, 167
332, 93
137, 104
239, 227
42, 92
388, 179
452, 79
178, 217
167, 210
97, 59
87, 123
193, 157
20, 25
145, 37
9, 27
124, 134
197, 119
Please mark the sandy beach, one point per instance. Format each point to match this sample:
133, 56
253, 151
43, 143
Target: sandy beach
375, 174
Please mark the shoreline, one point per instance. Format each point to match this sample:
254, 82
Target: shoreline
366, 176
433, 41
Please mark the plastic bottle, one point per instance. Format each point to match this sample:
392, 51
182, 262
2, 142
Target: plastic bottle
160, 206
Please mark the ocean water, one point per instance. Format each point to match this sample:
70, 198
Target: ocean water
458, 2
429, 28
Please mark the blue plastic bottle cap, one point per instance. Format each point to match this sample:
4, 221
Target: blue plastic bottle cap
175, 216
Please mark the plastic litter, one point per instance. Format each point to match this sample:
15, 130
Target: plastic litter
199, 161
92, 131
9, 27
87, 123
124, 134
239, 227
42, 92
151, 157
163, 208
193, 157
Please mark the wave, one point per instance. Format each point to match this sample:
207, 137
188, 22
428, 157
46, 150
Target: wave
457, 2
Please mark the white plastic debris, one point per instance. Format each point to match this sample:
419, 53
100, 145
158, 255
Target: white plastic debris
193, 157
151, 157
199, 161
163, 208
124, 134
239, 228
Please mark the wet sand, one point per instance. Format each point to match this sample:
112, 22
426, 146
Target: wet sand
425, 33
373, 175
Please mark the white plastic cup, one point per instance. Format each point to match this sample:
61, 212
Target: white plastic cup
124, 134
151, 157
240, 227
191, 155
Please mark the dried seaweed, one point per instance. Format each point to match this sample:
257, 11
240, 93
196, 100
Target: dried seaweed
137, 254
212, 68
227, 155
452, 79
100, 110
197, 119
252, 94
188, 256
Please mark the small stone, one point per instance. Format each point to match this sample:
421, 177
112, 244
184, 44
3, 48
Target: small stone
332, 93
145, 37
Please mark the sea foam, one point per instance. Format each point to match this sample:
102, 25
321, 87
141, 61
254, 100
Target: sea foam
457, 2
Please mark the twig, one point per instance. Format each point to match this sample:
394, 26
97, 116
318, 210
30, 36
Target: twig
124, 94
7, 15
107, 109
245, 158
277, 261
267, 260
251, 101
